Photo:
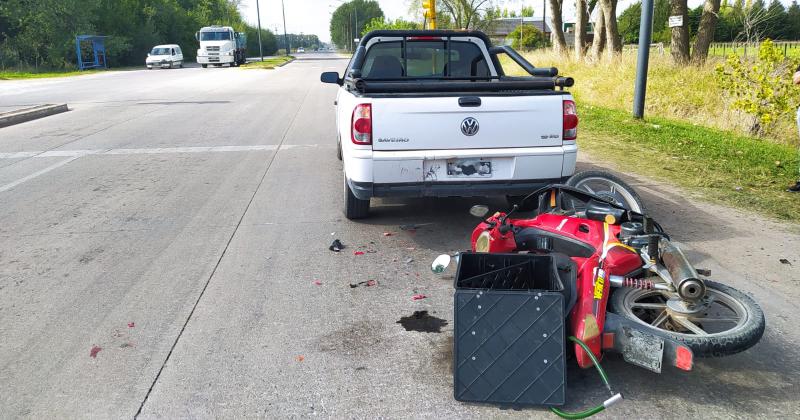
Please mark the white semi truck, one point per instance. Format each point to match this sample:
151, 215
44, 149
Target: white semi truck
221, 45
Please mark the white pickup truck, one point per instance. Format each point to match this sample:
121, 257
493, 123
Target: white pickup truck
431, 113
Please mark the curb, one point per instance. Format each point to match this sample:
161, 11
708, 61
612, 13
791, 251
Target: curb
285, 63
32, 113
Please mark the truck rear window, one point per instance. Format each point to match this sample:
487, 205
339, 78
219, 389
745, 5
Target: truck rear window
424, 59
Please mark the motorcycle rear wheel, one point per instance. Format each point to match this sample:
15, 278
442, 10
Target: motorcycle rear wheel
732, 323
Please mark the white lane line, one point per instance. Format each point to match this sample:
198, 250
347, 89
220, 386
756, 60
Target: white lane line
11, 185
149, 151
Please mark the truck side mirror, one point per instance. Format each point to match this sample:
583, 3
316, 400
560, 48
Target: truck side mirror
197, 36
330, 77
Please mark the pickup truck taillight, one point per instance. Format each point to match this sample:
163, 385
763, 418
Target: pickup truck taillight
570, 121
361, 128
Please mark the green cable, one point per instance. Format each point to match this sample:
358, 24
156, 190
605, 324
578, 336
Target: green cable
592, 411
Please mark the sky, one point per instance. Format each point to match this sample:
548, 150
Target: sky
313, 16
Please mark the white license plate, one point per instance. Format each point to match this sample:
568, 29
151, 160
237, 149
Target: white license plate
469, 168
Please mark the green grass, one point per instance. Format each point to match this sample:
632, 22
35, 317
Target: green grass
16, 75
688, 94
268, 63
722, 166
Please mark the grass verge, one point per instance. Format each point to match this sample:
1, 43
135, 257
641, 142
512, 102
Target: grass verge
269, 63
17, 75
722, 166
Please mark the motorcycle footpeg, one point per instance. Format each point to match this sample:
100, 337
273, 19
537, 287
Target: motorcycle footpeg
642, 348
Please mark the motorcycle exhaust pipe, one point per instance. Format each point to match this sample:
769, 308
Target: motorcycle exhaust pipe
684, 276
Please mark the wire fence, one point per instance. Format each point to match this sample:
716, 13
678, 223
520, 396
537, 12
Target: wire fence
723, 49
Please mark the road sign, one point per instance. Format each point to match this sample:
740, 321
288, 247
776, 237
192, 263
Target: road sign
675, 21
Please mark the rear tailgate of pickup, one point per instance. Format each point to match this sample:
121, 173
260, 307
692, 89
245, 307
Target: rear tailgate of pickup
506, 140
441, 123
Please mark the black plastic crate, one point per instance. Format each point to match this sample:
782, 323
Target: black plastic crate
509, 345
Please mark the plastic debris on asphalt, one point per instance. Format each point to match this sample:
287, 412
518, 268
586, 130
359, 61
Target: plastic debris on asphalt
388, 233
336, 246
317, 282
411, 228
368, 283
785, 261
131, 324
300, 358
358, 252
418, 297
93, 352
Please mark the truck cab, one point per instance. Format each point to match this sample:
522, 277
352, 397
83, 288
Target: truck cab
221, 45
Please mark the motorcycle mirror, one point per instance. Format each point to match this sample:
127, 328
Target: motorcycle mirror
440, 264
479, 210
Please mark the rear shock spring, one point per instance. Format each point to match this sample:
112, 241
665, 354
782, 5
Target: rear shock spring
633, 283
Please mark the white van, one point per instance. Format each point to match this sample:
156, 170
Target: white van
168, 56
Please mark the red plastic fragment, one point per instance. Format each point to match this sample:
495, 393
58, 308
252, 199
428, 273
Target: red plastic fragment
300, 358
131, 324
317, 282
683, 358
94, 351
358, 253
387, 233
371, 282
418, 297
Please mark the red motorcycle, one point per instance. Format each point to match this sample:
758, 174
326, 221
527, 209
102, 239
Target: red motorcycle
635, 292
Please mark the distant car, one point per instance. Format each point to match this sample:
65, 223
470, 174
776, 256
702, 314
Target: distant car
301, 50
162, 56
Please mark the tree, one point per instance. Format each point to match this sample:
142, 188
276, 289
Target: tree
609, 8
793, 21
465, 14
527, 37
581, 22
383, 23
599, 42
705, 32
527, 11
679, 47
350, 19
556, 10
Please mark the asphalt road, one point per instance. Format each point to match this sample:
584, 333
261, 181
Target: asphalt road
160, 244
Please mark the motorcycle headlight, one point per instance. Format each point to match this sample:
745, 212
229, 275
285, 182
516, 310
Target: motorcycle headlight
482, 243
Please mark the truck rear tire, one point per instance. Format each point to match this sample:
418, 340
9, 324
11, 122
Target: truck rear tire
354, 208
205, 66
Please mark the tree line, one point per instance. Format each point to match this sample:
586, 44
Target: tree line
774, 21
41, 33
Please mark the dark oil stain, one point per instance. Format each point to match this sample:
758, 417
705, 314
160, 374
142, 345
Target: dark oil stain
354, 339
443, 357
420, 321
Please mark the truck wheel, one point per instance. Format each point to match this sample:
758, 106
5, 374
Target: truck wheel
353, 207
205, 66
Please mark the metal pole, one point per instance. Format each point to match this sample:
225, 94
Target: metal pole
645, 33
260, 50
544, 18
285, 35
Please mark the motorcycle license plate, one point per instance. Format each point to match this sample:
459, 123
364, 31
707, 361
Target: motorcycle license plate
469, 168
643, 349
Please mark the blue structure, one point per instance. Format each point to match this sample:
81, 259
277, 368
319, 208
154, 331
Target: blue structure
97, 60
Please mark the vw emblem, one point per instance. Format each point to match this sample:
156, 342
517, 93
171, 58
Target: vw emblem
469, 126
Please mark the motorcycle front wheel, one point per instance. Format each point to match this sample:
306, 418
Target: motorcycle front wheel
609, 187
731, 323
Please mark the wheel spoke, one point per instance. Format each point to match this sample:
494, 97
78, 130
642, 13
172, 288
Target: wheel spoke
704, 320
689, 325
588, 188
645, 305
660, 319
